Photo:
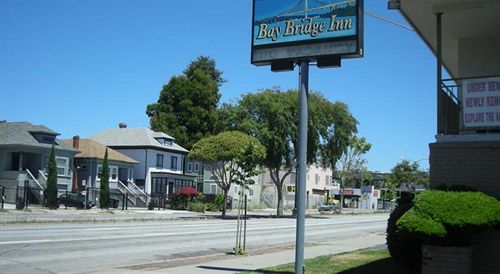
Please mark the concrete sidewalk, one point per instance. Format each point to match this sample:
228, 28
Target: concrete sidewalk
234, 264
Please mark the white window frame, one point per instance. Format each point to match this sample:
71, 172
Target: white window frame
196, 167
65, 167
111, 168
190, 167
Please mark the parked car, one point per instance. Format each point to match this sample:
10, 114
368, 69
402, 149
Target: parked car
73, 200
329, 208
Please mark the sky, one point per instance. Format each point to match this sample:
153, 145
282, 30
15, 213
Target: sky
79, 67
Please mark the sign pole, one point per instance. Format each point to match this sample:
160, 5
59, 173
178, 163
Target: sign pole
302, 160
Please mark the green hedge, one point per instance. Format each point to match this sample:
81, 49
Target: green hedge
449, 215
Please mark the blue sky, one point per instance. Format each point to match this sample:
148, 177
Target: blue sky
82, 66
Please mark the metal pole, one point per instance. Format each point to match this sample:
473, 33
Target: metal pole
3, 195
126, 201
439, 73
26, 193
245, 229
123, 201
302, 161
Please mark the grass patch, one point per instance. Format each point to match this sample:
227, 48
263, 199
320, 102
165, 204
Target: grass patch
106, 211
357, 262
2, 210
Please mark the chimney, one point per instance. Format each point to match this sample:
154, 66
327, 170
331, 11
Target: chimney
122, 125
76, 142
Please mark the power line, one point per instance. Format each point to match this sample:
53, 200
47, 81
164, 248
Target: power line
389, 21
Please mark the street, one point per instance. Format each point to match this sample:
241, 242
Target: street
81, 248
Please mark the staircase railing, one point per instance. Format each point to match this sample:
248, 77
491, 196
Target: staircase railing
125, 190
35, 186
42, 179
138, 192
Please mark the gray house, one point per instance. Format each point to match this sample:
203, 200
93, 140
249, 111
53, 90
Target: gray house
160, 171
24, 155
88, 169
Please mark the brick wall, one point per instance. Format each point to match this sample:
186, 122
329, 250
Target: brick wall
476, 164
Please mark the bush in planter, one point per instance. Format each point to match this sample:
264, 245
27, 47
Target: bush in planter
446, 218
197, 207
182, 197
403, 247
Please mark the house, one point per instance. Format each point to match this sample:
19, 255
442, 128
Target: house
160, 171
195, 168
24, 156
88, 169
319, 185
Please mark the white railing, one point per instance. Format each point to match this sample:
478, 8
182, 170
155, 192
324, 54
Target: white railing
125, 190
35, 186
42, 179
138, 192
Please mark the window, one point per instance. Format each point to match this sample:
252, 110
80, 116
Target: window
173, 163
213, 189
62, 166
190, 167
196, 167
316, 179
113, 173
159, 160
250, 192
327, 182
113, 176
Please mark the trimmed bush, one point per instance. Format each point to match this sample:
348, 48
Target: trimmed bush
403, 247
441, 217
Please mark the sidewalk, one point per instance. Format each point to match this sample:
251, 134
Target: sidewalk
234, 264
37, 214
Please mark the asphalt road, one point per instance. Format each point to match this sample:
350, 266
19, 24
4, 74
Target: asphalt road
82, 248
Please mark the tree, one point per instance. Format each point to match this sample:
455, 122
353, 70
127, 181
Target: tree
351, 166
51, 190
104, 188
230, 156
206, 65
187, 105
272, 116
338, 136
408, 173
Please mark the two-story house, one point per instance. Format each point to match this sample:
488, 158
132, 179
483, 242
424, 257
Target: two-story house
24, 156
160, 171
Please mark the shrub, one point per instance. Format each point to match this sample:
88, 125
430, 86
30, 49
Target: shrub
445, 218
219, 201
197, 207
182, 197
403, 247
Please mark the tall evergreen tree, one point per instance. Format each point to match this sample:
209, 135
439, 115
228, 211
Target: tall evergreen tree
104, 193
187, 105
51, 190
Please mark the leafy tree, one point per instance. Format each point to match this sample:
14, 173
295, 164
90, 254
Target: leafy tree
207, 65
51, 190
408, 173
223, 154
272, 116
351, 165
104, 188
187, 106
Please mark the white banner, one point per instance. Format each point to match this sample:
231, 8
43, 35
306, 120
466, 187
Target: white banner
481, 102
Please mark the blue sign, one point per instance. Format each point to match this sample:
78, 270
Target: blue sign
293, 30
281, 21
